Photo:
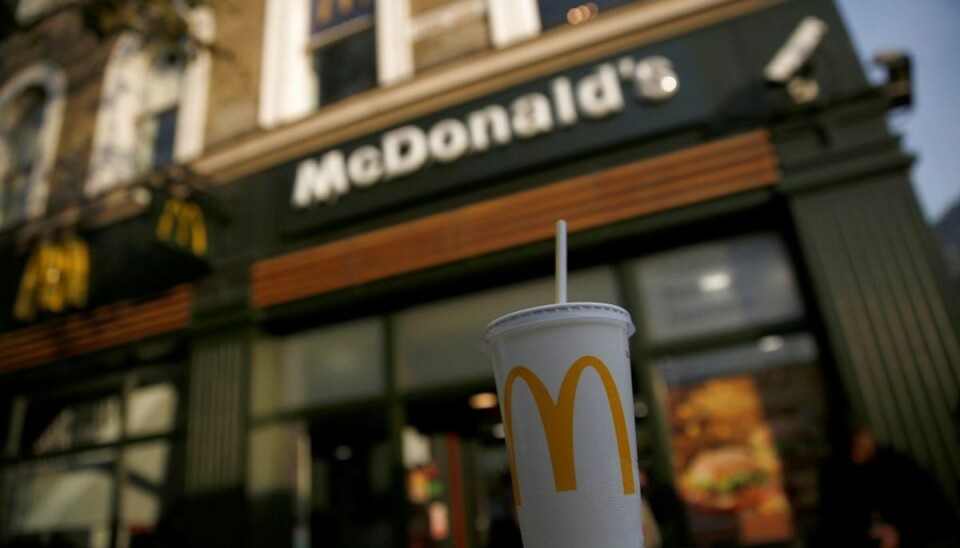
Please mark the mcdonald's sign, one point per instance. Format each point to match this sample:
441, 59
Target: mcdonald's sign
182, 223
57, 276
328, 14
557, 418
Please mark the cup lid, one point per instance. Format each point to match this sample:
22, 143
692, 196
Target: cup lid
554, 312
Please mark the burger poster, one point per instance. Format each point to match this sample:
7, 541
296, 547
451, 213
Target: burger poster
728, 471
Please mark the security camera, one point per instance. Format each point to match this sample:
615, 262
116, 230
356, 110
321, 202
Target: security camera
796, 52
899, 86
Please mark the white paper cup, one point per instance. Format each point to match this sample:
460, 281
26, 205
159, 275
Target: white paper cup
566, 397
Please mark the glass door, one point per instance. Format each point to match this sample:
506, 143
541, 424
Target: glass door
457, 472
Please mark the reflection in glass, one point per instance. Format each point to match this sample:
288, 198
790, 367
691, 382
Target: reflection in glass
347, 66
441, 343
58, 424
574, 12
61, 501
152, 409
717, 287
457, 475
334, 364
747, 434
144, 488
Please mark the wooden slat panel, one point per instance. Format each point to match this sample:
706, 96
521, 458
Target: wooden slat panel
705, 172
889, 321
101, 328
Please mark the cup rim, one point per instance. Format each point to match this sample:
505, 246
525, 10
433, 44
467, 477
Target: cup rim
556, 312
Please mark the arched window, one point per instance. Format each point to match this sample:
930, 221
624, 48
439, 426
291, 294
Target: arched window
31, 113
157, 122
152, 108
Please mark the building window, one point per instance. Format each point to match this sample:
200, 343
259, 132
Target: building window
157, 123
22, 151
318, 52
554, 13
344, 48
330, 365
152, 108
319, 462
82, 468
31, 113
737, 376
747, 431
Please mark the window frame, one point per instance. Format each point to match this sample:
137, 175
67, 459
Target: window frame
114, 158
123, 384
337, 36
52, 81
289, 85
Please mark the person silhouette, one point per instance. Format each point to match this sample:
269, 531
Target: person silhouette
872, 496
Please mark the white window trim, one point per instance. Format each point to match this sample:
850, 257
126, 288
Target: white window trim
288, 84
641, 24
52, 80
512, 21
113, 158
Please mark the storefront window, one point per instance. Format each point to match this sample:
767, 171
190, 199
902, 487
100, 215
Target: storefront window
554, 13
319, 470
322, 481
61, 501
747, 434
717, 287
152, 408
61, 423
61, 481
144, 487
457, 472
441, 343
323, 366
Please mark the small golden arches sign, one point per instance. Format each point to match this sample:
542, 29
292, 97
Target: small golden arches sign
182, 223
57, 276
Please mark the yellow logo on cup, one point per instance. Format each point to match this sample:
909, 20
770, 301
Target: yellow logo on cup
557, 418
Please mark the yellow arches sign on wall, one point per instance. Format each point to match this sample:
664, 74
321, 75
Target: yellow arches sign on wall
57, 276
182, 223
557, 418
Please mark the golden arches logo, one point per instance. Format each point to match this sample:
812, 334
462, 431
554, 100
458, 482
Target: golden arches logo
182, 223
325, 8
56, 277
557, 418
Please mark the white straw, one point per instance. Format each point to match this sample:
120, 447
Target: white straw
561, 253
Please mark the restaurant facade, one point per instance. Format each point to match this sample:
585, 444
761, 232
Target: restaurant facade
271, 335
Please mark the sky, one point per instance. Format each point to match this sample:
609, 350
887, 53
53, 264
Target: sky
930, 31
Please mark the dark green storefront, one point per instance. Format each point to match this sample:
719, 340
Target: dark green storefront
772, 255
